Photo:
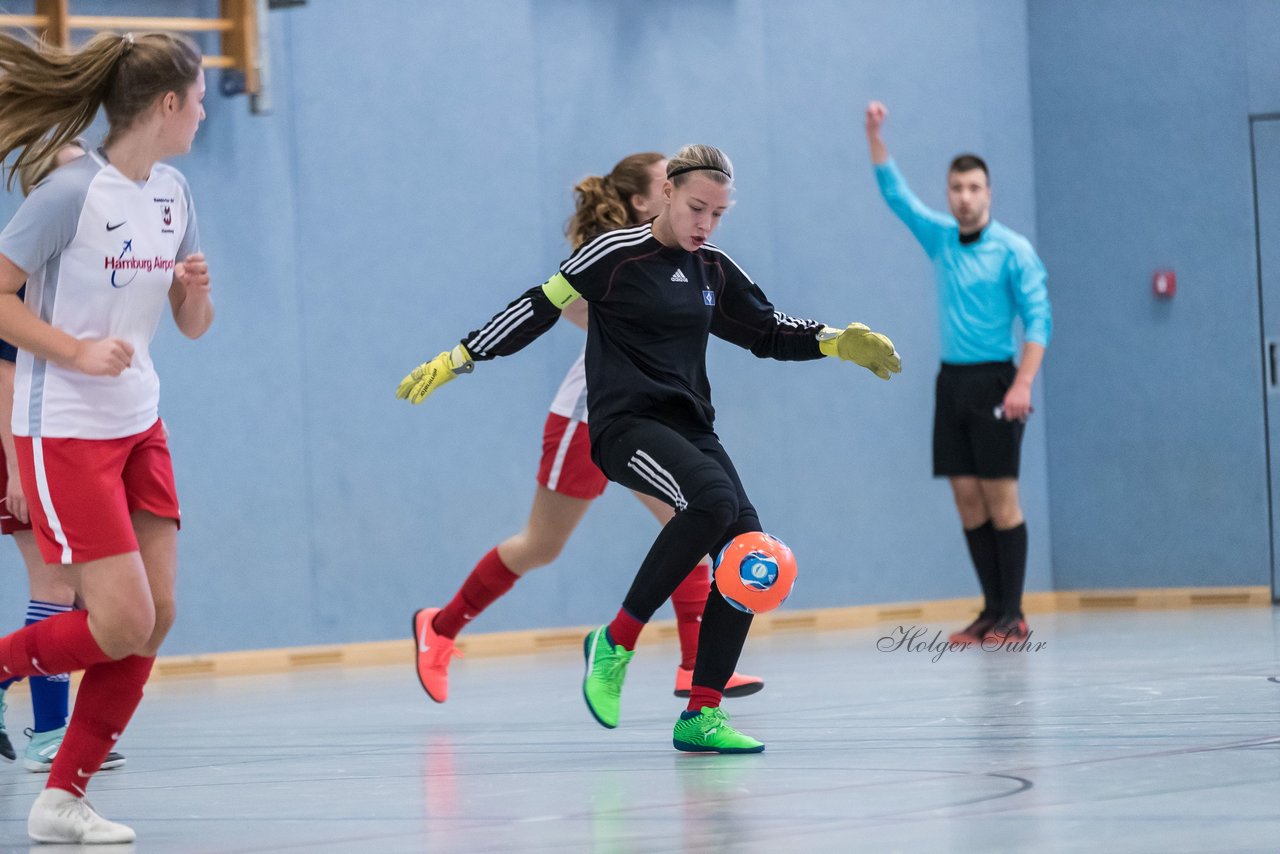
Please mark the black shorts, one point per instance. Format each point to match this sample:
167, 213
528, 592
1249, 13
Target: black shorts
970, 436
673, 462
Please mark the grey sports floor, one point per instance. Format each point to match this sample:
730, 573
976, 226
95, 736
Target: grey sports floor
1128, 731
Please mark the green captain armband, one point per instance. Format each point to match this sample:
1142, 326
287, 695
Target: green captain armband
559, 291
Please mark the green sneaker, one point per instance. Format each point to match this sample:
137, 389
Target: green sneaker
602, 683
709, 732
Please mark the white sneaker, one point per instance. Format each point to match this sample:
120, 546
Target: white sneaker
59, 816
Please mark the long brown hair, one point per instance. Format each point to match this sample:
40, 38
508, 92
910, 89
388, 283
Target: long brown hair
49, 96
604, 202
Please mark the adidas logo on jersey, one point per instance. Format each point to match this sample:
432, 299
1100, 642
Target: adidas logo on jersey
679, 276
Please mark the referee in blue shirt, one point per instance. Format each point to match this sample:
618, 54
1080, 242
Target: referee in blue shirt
986, 276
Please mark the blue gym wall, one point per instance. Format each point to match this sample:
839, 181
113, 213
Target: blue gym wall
1157, 448
415, 176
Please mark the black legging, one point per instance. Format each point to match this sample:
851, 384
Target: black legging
690, 470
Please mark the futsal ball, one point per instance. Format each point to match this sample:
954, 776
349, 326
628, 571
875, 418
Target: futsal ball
755, 572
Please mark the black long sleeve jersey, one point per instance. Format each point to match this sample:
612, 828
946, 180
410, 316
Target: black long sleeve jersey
651, 308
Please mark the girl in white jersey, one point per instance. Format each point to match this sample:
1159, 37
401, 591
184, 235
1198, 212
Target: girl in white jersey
568, 481
102, 245
52, 592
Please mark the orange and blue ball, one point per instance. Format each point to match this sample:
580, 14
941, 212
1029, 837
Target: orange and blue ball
755, 572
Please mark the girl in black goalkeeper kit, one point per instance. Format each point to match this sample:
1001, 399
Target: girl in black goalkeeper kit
655, 293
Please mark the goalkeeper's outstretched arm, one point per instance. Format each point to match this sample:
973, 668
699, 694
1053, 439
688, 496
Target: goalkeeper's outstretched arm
509, 331
745, 317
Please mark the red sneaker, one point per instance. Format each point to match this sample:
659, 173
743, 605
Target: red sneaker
740, 685
974, 632
1010, 629
434, 653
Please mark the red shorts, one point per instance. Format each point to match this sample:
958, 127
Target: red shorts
8, 522
566, 465
81, 491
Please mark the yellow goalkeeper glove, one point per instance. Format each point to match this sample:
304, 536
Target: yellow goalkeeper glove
858, 344
429, 376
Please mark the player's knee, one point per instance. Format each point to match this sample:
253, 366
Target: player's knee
124, 633
1005, 516
719, 500
533, 547
166, 616
45, 588
540, 552
1002, 505
971, 505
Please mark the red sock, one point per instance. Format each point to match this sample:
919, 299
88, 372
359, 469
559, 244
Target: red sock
109, 693
700, 696
624, 631
688, 601
59, 644
489, 580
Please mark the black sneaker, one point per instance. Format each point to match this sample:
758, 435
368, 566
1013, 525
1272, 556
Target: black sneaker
7, 753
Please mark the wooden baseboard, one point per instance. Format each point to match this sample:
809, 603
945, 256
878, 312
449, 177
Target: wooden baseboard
1155, 599
819, 619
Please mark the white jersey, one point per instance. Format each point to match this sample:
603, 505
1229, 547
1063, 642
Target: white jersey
99, 251
571, 400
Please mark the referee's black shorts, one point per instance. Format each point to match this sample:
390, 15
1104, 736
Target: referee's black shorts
970, 436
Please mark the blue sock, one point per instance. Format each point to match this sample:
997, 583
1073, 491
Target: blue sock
684, 716
49, 694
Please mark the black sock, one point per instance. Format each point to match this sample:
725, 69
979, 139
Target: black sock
983, 550
1011, 549
720, 640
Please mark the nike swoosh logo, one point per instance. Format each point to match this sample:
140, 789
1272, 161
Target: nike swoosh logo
111, 227
422, 638
82, 774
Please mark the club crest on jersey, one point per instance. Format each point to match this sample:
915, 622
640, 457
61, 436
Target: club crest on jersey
679, 276
709, 297
166, 213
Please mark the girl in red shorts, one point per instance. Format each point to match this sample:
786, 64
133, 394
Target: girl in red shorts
568, 481
103, 245
52, 592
